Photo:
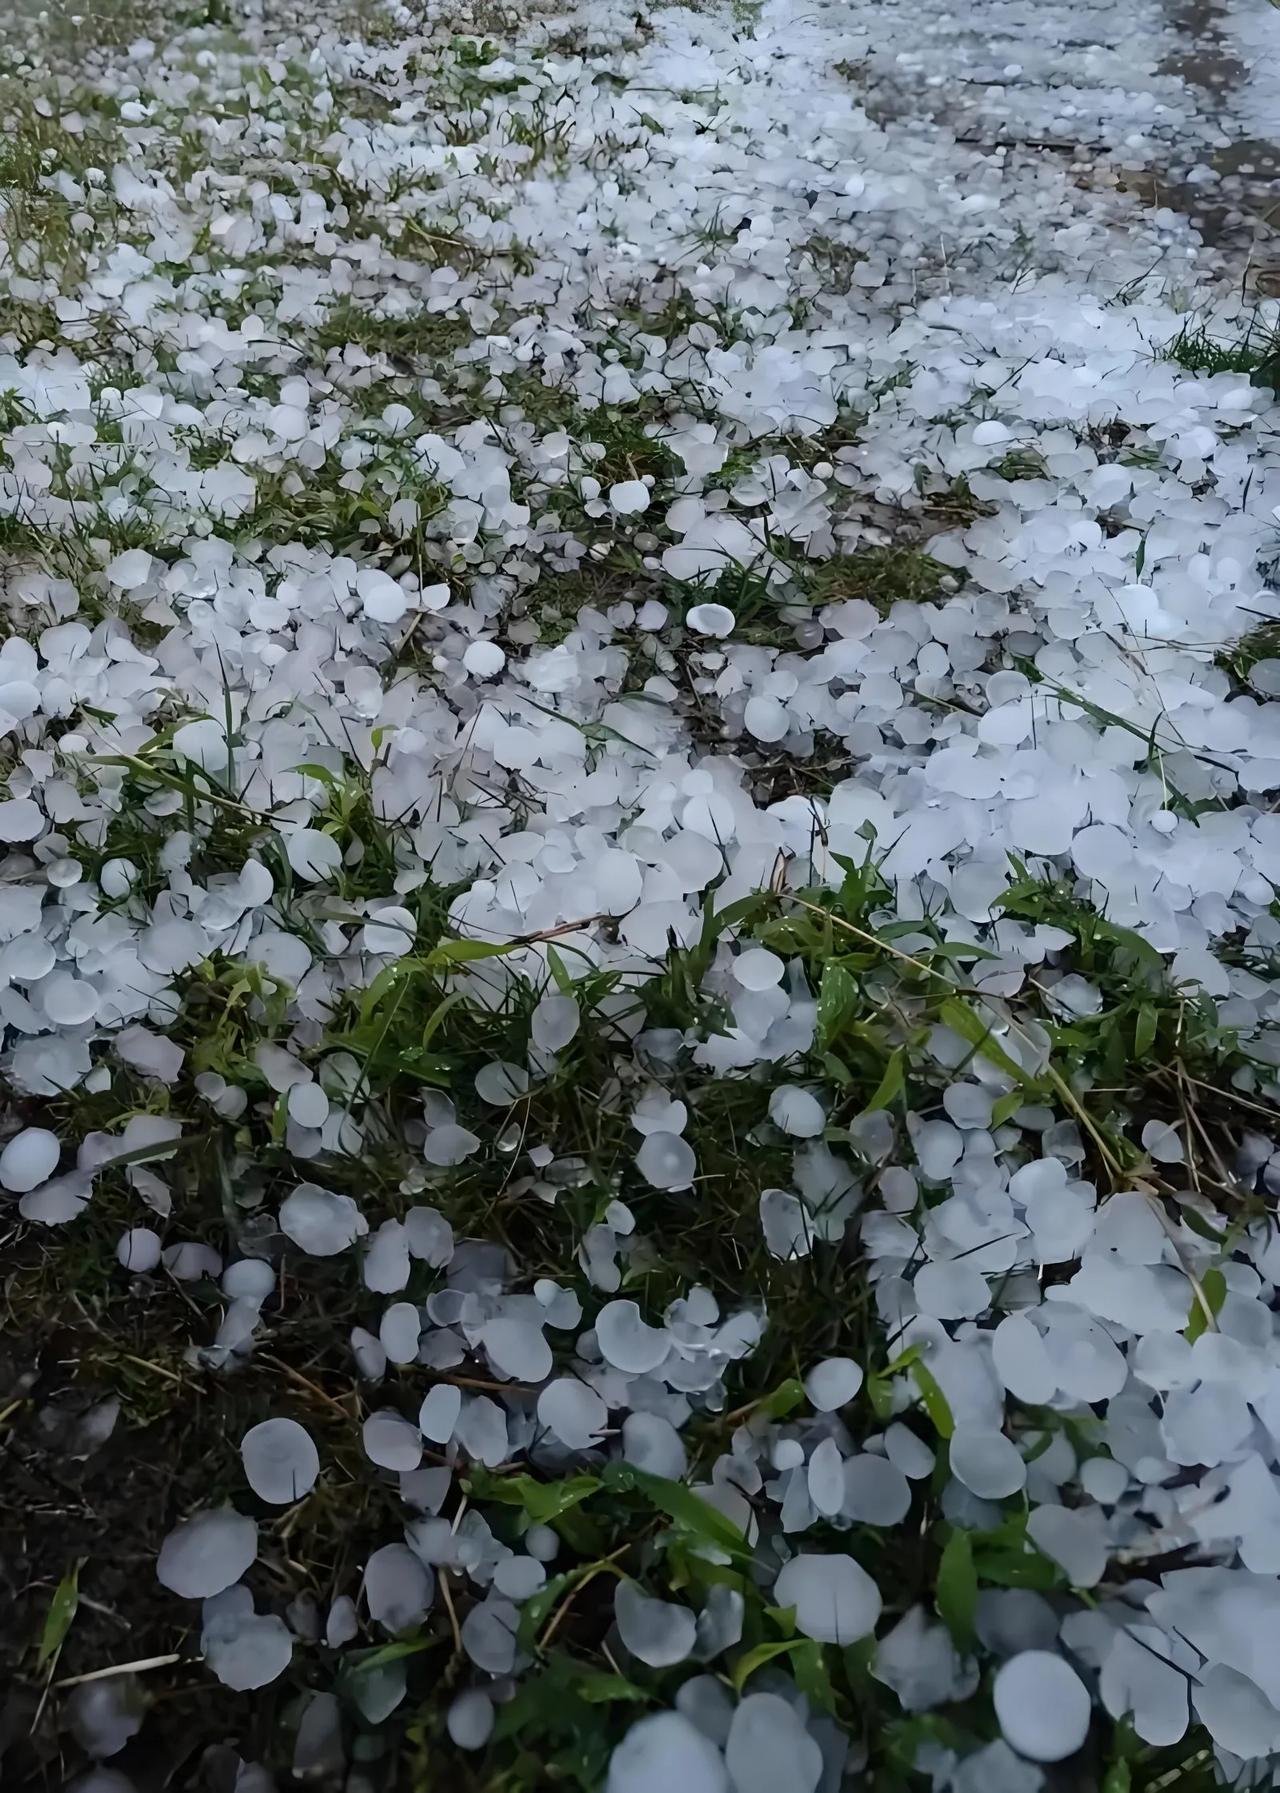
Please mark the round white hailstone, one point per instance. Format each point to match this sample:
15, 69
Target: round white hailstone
320, 1222
766, 718
519, 1577
20, 819
908, 1453
104, 1715
398, 1589
786, 1224
449, 1145
796, 1112
129, 570
711, 619
390, 1441
489, 1635
501, 1083
383, 599
1022, 1360
469, 1720
626, 1342
244, 1649
664, 1753
768, 1748
832, 1383
835, 1600
399, 1332
29, 1159
280, 1461
1075, 1538
484, 659
988, 1463
342, 1624
826, 1478
1104, 1480
652, 1443
248, 1279
308, 1105
572, 1412
657, 1632
757, 968
313, 856
951, 1289
1236, 1713
385, 1267
1042, 1706
430, 1236
666, 1161
628, 497
517, 1348
1161, 1140
138, 1250
540, 1541
438, 1415
875, 1491
207, 1553
555, 1022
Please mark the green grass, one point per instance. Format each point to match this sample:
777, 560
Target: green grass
1256, 353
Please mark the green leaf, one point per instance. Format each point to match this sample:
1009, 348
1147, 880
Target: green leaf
957, 1593
747, 1664
1144, 1030
681, 1504
890, 1085
933, 1400
462, 952
786, 1397
598, 1687
542, 1501
1117, 1779
1007, 1106
837, 1003
1214, 1285
971, 1027
57, 1621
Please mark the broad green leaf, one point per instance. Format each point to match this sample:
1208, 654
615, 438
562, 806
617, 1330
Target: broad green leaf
1144, 1030
837, 1003
933, 1400
57, 1621
462, 952
1214, 1285
971, 1027
599, 1688
542, 1501
890, 1085
679, 1503
748, 1663
785, 1398
957, 1593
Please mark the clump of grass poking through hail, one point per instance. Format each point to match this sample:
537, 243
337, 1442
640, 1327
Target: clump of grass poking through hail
638, 950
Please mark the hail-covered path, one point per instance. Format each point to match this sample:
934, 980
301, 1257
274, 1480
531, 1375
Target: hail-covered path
641, 736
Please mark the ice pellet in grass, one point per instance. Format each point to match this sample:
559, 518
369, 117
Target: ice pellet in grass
280, 1460
207, 1553
245, 1650
29, 1159
1042, 1706
662, 1752
659, 1632
320, 1221
769, 1748
627, 1342
833, 1383
666, 1161
835, 1600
